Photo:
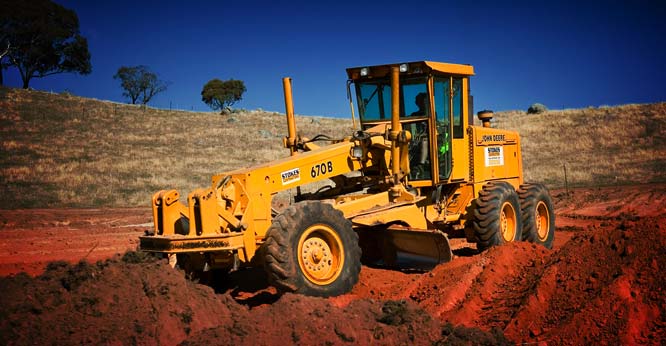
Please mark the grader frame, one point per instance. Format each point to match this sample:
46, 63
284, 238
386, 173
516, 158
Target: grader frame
403, 183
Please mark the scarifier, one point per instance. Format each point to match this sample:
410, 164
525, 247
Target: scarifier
416, 173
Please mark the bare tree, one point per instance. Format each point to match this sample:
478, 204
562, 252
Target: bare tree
139, 83
151, 87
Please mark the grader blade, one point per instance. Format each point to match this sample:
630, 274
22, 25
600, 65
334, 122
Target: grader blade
421, 245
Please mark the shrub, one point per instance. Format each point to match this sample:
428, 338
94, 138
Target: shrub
221, 95
537, 108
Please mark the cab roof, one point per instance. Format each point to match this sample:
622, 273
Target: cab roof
415, 67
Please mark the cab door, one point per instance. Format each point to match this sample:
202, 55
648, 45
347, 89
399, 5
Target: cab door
442, 104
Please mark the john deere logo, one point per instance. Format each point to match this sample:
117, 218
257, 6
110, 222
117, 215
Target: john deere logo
291, 176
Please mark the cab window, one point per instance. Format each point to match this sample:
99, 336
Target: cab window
415, 97
374, 100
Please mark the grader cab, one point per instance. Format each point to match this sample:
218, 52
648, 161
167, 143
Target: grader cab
416, 173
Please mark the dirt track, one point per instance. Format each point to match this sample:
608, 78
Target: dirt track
32, 238
602, 283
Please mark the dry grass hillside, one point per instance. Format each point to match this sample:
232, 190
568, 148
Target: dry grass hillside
599, 146
67, 151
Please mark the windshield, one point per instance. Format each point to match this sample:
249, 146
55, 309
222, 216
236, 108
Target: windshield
374, 98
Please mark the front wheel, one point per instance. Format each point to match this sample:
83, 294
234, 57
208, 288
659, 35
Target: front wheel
312, 249
538, 215
497, 218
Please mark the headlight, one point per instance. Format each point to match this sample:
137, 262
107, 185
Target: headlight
364, 71
357, 152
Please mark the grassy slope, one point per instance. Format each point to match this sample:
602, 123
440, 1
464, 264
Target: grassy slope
599, 146
65, 151
69, 151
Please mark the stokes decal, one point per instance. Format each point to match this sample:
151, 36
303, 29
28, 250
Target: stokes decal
494, 156
291, 176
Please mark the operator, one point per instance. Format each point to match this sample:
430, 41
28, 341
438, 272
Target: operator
443, 152
420, 101
418, 151
444, 135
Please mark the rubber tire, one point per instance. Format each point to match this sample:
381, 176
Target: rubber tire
530, 195
281, 247
486, 219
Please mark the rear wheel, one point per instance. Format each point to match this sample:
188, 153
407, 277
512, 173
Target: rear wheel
497, 217
538, 217
311, 249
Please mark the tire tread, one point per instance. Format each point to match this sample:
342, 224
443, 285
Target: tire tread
281, 245
486, 214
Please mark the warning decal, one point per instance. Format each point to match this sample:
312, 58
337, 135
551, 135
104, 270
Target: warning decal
494, 156
291, 176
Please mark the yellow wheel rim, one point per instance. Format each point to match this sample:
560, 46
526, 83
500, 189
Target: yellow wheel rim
320, 254
508, 222
542, 220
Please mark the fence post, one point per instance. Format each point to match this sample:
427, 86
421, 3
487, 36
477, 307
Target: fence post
566, 180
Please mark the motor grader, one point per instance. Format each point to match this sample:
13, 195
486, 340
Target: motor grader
415, 173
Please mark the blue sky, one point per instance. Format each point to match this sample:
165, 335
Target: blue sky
564, 54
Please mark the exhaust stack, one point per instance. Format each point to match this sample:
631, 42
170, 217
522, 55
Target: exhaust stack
485, 116
290, 140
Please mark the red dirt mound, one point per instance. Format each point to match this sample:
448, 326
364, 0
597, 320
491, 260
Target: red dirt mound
130, 301
601, 283
137, 300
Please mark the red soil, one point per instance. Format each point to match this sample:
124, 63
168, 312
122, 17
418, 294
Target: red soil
32, 238
602, 283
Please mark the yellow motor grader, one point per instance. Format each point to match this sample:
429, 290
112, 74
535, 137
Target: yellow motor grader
415, 173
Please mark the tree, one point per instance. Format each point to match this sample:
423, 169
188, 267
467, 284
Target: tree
537, 108
41, 39
3, 53
139, 83
219, 94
